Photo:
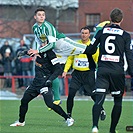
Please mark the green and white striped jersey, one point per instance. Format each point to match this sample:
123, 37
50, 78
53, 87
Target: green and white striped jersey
46, 29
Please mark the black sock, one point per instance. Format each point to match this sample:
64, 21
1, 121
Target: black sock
116, 112
60, 111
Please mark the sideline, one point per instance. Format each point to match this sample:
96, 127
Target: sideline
7, 95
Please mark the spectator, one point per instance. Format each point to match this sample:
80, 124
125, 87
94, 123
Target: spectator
27, 64
7, 59
23, 66
7, 46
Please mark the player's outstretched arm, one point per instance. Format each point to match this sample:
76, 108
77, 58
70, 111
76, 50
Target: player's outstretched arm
49, 44
46, 47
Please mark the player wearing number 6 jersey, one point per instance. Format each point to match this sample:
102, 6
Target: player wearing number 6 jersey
114, 42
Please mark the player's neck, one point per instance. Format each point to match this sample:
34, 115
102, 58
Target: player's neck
85, 41
39, 23
116, 23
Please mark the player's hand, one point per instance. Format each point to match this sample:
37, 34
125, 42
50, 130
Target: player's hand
64, 74
48, 83
32, 52
35, 56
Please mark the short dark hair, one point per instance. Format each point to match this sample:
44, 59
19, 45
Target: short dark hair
116, 15
39, 9
85, 28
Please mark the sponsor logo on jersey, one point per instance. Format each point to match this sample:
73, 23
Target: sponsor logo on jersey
111, 58
112, 31
82, 62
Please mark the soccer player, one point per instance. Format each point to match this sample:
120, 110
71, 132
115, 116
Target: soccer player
114, 42
40, 29
47, 68
83, 75
132, 68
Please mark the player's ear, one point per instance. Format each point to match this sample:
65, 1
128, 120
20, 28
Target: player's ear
34, 16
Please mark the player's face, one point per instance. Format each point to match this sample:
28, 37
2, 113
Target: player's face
40, 17
85, 34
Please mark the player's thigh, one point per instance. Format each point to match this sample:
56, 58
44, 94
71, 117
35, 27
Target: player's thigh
88, 81
29, 94
75, 80
102, 82
117, 84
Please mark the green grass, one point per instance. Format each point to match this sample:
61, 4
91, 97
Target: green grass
40, 120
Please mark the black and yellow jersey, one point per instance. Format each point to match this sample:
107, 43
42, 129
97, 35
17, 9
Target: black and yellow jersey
82, 62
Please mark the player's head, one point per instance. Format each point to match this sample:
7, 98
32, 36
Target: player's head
116, 15
39, 9
85, 28
39, 15
85, 33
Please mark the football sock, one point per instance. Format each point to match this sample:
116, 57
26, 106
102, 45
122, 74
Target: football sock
60, 111
115, 117
55, 87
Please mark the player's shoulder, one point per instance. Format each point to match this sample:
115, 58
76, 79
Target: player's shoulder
48, 23
126, 33
34, 26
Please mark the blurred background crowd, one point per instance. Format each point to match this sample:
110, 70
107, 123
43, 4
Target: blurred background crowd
11, 65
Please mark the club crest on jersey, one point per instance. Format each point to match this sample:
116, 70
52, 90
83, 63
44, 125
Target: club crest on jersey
43, 38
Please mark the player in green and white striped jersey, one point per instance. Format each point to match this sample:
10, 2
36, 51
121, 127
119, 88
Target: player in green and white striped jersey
40, 32
62, 45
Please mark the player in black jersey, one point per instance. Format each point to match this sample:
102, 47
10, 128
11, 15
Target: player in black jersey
47, 68
132, 68
113, 43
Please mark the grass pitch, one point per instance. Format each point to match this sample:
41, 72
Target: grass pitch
40, 120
